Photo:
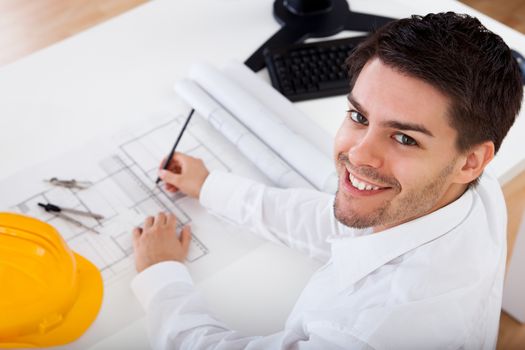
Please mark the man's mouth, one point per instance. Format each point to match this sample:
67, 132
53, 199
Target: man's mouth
363, 185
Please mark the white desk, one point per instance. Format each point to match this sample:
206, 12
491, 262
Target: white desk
123, 70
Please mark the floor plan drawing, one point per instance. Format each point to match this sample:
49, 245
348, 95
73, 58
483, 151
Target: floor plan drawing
125, 195
122, 170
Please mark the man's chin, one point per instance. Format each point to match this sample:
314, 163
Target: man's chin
351, 218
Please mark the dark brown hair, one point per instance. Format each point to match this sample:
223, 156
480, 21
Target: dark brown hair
460, 57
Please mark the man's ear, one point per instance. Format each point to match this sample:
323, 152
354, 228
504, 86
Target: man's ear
475, 161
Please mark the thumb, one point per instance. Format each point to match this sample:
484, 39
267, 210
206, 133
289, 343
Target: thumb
169, 177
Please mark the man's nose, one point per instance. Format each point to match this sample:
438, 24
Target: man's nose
367, 151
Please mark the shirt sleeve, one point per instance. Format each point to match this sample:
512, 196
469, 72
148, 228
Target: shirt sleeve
299, 218
177, 318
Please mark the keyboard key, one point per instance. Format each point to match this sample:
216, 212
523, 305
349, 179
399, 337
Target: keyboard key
313, 70
333, 84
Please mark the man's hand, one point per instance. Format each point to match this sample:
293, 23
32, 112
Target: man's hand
184, 173
158, 241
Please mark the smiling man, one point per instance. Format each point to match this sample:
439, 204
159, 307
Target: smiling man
396, 151
414, 240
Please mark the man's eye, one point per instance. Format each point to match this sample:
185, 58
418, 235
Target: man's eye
405, 140
358, 117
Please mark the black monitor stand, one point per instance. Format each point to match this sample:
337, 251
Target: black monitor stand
303, 19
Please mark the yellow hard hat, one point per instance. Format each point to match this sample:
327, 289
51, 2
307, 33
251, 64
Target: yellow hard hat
49, 295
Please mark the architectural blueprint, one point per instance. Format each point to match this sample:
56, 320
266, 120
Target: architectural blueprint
122, 170
241, 126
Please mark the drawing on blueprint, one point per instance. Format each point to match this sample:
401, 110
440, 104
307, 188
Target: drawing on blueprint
122, 169
125, 193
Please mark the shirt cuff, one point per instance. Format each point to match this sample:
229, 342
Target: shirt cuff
150, 281
220, 187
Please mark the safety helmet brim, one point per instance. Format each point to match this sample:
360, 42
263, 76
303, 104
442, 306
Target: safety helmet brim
81, 315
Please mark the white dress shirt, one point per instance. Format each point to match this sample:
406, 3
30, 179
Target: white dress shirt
431, 283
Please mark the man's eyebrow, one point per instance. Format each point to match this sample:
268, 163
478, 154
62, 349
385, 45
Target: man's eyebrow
407, 126
394, 124
356, 104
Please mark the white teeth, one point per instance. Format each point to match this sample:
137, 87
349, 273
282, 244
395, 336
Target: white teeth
361, 185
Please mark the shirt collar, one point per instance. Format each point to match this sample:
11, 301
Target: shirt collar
356, 257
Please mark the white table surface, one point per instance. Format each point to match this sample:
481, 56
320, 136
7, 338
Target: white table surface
121, 71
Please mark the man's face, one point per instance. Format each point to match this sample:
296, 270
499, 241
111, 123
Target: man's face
395, 151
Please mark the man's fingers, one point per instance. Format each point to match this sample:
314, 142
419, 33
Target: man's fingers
169, 177
171, 220
177, 162
137, 231
149, 221
174, 165
180, 157
170, 188
185, 238
160, 219
163, 162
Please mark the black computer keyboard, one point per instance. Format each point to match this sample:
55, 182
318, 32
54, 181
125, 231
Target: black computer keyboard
313, 70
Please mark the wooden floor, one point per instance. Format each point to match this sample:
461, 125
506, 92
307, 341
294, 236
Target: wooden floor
511, 13
29, 25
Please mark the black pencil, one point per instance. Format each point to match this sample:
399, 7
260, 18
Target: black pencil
168, 160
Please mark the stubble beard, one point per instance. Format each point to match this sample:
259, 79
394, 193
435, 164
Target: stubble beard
415, 203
